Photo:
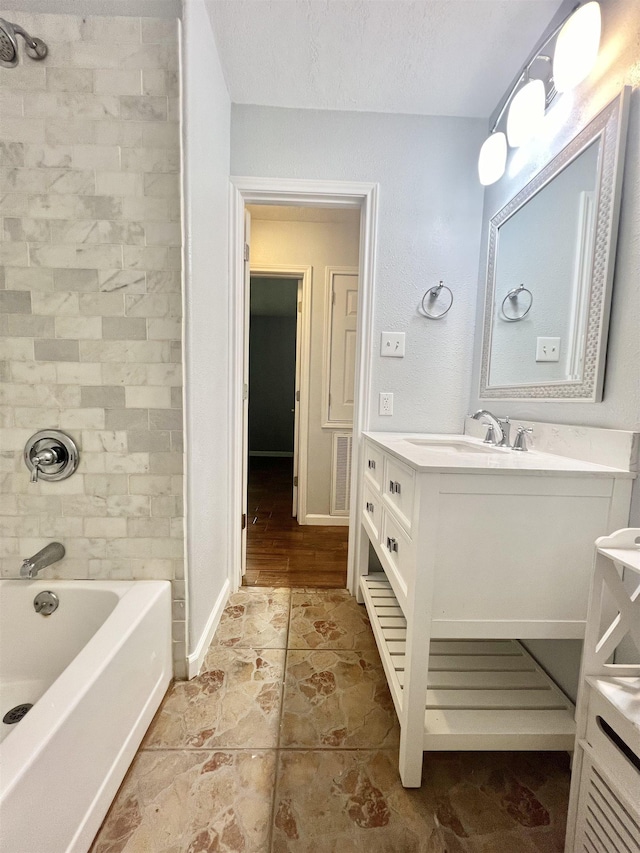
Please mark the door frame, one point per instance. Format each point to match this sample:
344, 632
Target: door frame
299, 193
303, 351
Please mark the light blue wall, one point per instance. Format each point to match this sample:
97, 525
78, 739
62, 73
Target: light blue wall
430, 209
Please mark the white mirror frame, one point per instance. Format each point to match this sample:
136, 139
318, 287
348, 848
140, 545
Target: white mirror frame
610, 127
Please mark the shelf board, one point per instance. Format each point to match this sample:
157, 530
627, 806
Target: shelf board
622, 693
481, 694
627, 557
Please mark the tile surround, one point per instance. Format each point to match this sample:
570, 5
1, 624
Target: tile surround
222, 791
90, 298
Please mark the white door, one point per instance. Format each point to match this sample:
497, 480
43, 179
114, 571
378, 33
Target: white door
296, 405
342, 347
245, 388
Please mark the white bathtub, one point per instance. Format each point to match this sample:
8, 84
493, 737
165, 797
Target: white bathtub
96, 670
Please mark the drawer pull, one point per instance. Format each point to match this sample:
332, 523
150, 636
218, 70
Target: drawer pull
394, 487
372, 464
392, 544
370, 507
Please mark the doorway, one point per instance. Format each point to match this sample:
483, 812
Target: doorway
322, 195
301, 329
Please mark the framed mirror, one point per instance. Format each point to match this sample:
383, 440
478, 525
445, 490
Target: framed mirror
550, 271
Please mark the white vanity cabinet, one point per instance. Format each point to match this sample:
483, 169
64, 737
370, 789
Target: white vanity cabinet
480, 547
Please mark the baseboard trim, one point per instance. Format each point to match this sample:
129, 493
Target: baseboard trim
195, 659
327, 520
280, 454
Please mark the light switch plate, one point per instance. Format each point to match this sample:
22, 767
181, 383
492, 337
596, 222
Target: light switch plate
547, 349
392, 344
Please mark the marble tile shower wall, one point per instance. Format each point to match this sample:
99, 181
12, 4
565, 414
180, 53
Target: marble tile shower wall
90, 298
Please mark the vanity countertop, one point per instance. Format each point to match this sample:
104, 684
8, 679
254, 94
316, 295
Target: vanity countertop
463, 454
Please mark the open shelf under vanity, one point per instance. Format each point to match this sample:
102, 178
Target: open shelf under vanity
481, 694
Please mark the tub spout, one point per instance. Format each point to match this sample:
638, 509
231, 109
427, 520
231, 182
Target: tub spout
49, 554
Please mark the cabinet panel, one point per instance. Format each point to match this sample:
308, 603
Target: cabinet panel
399, 489
372, 508
502, 557
373, 465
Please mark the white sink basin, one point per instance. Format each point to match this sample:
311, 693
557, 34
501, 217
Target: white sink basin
454, 446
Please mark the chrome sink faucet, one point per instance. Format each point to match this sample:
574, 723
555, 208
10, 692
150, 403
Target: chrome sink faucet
499, 431
51, 553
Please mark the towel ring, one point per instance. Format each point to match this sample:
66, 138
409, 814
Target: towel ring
512, 295
433, 294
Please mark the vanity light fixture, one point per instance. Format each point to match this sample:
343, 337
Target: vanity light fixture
493, 158
576, 50
525, 113
577, 47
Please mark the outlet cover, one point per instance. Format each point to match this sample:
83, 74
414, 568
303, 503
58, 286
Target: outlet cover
385, 404
547, 349
392, 344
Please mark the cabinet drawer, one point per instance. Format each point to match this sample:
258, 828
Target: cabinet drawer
397, 549
373, 465
611, 736
372, 508
399, 488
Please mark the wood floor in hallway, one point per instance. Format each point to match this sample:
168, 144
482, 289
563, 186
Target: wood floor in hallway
281, 552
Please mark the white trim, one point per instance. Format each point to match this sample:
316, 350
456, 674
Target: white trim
295, 492
305, 275
318, 520
274, 454
327, 423
196, 658
302, 193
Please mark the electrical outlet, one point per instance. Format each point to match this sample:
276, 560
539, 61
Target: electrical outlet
385, 405
392, 344
547, 349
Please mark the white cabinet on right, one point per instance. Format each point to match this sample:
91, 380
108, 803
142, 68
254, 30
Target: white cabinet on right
604, 806
480, 547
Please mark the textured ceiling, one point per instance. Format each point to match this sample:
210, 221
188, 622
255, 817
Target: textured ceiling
432, 57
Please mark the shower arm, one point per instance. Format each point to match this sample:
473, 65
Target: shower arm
31, 42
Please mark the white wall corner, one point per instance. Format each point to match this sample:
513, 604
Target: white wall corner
196, 658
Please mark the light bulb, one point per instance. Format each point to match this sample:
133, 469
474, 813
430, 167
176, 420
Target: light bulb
493, 159
577, 47
525, 113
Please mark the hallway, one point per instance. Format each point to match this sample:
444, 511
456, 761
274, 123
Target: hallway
280, 552
287, 742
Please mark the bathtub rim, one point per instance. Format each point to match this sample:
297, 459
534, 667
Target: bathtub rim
21, 748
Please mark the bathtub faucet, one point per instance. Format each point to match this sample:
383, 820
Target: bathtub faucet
51, 553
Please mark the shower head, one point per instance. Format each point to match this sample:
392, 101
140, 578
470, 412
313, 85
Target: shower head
35, 48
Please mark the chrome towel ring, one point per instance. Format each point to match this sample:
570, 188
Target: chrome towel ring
434, 293
512, 296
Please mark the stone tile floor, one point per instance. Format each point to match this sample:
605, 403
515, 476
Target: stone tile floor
287, 741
